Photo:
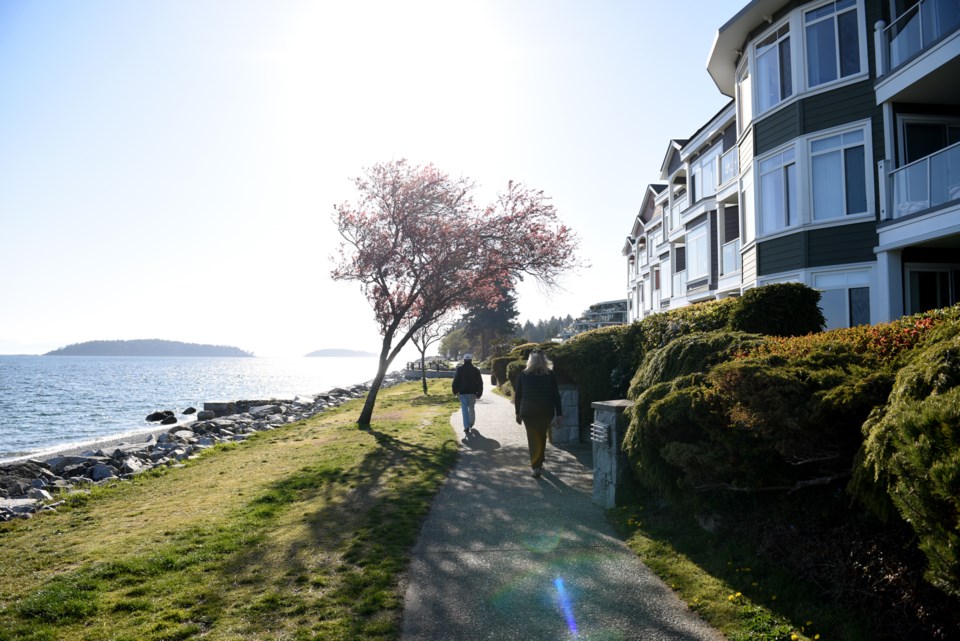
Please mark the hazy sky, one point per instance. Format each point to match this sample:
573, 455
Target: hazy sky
168, 168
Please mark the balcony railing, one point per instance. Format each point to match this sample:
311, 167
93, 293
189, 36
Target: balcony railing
678, 206
918, 27
729, 165
680, 284
926, 183
730, 257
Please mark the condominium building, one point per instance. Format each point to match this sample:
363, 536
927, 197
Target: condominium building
835, 164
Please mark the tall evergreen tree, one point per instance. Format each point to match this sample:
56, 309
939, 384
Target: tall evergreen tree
489, 324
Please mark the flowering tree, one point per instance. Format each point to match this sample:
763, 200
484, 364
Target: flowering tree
420, 248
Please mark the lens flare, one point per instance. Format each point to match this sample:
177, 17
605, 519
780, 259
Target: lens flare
565, 606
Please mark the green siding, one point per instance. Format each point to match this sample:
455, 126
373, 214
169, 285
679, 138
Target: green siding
781, 254
839, 245
843, 245
776, 129
838, 107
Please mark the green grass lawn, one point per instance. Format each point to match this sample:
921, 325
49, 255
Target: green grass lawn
304, 532
298, 533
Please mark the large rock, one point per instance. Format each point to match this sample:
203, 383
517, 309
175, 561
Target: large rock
262, 411
101, 472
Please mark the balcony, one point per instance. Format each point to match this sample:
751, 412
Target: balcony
918, 55
920, 26
730, 258
729, 165
680, 283
676, 210
927, 183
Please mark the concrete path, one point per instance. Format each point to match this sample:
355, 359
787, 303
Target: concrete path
504, 556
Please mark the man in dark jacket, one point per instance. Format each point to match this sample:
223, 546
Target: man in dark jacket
468, 385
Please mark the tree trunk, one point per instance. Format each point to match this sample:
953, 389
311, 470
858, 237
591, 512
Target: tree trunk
367, 413
423, 371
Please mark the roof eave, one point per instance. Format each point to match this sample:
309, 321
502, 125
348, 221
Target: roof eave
722, 61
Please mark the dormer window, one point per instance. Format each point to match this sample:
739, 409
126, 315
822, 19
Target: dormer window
774, 78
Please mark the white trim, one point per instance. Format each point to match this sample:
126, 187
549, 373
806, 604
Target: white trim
866, 125
862, 38
789, 22
904, 119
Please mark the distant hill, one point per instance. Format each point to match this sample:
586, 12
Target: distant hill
146, 347
340, 352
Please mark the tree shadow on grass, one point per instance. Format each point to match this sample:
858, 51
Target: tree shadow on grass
366, 520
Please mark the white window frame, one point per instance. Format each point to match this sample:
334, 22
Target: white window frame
792, 219
844, 281
700, 188
697, 243
912, 119
861, 37
867, 127
774, 32
842, 148
744, 95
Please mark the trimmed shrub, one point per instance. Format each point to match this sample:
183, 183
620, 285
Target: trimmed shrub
696, 353
752, 424
911, 453
498, 367
780, 309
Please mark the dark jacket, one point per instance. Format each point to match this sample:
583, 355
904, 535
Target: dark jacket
537, 396
467, 380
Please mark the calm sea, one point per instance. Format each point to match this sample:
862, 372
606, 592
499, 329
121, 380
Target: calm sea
47, 402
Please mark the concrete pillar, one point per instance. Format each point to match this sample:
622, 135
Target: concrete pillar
569, 430
612, 476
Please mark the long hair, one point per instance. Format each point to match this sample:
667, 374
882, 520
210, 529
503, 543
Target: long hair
537, 363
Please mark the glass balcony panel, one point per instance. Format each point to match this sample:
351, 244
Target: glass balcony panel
904, 36
729, 165
945, 176
928, 182
920, 26
680, 284
731, 257
910, 193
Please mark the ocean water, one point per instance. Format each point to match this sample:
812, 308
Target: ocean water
50, 402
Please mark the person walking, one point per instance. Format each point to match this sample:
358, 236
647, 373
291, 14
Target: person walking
468, 385
536, 397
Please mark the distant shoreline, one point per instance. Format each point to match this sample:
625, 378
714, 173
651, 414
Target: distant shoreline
148, 347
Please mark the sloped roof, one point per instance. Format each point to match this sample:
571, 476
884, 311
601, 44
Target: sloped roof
722, 61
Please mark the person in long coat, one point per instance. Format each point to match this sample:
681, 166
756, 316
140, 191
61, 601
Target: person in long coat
538, 406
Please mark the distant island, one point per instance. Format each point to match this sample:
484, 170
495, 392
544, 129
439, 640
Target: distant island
146, 347
341, 353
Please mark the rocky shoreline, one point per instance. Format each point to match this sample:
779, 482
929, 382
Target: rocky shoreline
31, 486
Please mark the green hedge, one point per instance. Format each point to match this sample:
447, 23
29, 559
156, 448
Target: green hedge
911, 454
722, 418
603, 362
747, 425
781, 309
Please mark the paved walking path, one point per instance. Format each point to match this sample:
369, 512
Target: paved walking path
504, 556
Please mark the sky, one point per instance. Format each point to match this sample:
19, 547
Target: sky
168, 168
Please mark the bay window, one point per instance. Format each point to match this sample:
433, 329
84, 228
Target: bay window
744, 97
704, 174
774, 77
698, 253
832, 42
839, 175
778, 192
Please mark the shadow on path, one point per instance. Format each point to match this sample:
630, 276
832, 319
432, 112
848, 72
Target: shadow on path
505, 556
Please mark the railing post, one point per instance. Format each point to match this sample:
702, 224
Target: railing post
884, 190
880, 48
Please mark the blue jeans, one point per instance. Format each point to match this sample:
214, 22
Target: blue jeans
467, 402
